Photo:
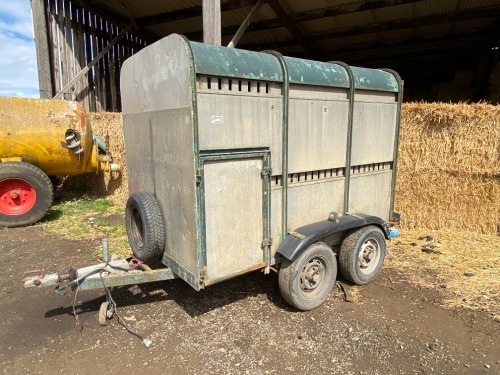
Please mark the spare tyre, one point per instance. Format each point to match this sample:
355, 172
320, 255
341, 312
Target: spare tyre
145, 227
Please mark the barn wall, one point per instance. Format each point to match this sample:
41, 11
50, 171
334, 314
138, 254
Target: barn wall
75, 38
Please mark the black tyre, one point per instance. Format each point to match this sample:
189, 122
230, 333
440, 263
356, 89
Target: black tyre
26, 194
306, 282
145, 227
362, 254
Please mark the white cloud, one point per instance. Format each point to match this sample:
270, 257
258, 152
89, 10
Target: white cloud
18, 69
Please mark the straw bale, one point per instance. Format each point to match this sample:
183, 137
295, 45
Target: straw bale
448, 166
461, 138
464, 266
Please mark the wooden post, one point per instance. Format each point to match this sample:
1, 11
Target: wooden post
42, 49
211, 22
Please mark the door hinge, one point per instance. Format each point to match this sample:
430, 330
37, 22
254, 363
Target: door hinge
203, 273
198, 175
266, 171
267, 242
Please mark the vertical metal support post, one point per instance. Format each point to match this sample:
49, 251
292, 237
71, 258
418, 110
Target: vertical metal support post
211, 22
347, 172
284, 157
396, 139
105, 250
266, 196
200, 220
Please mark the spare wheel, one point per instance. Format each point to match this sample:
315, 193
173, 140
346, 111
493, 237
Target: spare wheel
145, 227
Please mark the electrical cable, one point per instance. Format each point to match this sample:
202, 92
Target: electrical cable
147, 342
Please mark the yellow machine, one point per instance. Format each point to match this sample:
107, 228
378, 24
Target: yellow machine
41, 138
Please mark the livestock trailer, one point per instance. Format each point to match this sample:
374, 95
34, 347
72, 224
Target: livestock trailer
240, 161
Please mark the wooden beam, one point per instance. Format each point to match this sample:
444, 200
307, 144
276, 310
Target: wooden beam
469, 14
140, 32
87, 5
92, 63
408, 47
115, 20
192, 12
434, 19
244, 25
464, 41
45, 86
307, 16
211, 22
291, 27
342, 9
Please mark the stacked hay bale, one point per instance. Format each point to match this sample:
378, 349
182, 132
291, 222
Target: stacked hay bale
448, 166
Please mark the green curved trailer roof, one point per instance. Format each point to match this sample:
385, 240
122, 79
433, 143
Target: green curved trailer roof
236, 63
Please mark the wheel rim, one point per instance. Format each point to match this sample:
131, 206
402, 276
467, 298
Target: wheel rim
312, 276
136, 228
369, 256
17, 196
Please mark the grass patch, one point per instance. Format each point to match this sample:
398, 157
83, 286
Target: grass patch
464, 266
89, 219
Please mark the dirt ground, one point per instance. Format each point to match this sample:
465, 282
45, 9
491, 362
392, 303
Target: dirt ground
238, 327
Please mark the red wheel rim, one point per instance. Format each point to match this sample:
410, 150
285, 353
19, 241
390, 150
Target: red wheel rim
17, 196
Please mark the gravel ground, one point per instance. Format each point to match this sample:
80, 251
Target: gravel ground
238, 327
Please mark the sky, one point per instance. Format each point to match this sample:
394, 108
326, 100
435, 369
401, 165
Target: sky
18, 69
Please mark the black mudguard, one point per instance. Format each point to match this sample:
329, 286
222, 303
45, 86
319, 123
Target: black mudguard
297, 241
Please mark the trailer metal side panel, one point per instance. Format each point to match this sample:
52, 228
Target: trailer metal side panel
276, 216
157, 77
371, 192
140, 168
236, 122
175, 184
159, 129
373, 132
313, 201
317, 133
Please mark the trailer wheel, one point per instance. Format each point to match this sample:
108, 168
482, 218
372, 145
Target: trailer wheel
362, 254
106, 312
306, 282
145, 227
26, 194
